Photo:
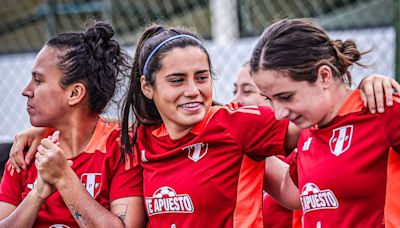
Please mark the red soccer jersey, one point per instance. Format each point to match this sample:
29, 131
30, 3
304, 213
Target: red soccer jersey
197, 181
275, 215
99, 169
344, 168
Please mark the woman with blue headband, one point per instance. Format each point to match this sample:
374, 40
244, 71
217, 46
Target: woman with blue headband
194, 154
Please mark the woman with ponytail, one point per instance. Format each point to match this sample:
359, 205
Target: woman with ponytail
348, 158
78, 178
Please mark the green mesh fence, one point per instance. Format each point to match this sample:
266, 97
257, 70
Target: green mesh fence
230, 28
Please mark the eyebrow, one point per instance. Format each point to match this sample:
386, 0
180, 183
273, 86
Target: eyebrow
184, 74
201, 71
275, 95
36, 74
175, 74
248, 84
281, 93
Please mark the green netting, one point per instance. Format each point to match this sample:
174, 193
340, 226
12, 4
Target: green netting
230, 28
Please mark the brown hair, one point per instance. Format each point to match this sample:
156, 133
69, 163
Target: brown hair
300, 47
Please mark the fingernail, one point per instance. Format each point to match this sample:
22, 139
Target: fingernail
24, 167
18, 170
27, 161
381, 110
390, 103
373, 111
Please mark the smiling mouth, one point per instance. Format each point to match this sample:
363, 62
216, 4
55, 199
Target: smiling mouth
190, 105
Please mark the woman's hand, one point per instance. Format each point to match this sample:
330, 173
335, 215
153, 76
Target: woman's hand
51, 162
375, 89
43, 189
26, 141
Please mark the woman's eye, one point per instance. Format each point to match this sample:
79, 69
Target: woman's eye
248, 91
37, 81
175, 81
202, 78
286, 97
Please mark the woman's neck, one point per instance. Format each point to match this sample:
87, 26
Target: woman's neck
176, 132
76, 135
337, 98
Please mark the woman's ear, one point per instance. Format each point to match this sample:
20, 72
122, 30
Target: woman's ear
147, 89
325, 76
76, 93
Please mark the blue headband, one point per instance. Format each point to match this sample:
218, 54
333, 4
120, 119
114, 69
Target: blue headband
161, 44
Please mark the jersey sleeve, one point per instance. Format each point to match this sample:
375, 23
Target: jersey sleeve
127, 178
391, 123
257, 131
11, 187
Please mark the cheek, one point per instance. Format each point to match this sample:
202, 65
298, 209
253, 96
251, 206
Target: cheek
207, 90
166, 101
312, 110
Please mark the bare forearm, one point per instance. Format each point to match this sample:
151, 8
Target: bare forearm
292, 136
82, 205
26, 213
279, 185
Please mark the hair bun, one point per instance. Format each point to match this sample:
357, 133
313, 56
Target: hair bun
98, 33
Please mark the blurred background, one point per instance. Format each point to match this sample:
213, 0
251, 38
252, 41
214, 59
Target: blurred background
230, 29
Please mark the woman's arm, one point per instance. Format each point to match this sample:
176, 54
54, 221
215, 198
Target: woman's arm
25, 214
54, 168
130, 210
86, 210
292, 136
279, 184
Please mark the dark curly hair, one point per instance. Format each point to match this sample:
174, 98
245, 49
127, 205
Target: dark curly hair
93, 58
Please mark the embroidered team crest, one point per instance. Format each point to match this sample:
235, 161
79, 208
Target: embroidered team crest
196, 151
92, 183
341, 139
